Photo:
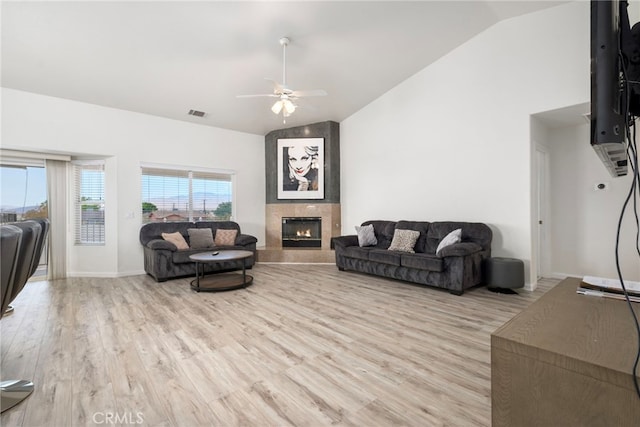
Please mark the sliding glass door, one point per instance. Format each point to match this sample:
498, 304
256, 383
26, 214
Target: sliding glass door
23, 196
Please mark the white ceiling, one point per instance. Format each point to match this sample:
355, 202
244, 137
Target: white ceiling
165, 58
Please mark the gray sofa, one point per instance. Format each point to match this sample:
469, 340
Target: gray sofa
163, 260
457, 268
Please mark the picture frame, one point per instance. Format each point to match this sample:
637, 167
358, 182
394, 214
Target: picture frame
300, 168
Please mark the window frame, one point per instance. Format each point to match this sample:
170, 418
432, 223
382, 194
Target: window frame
189, 173
85, 165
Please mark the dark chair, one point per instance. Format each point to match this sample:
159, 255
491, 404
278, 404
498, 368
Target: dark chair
10, 238
13, 392
31, 231
37, 252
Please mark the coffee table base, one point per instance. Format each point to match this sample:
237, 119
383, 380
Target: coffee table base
221, 282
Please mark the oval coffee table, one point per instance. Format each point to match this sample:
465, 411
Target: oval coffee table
220, 281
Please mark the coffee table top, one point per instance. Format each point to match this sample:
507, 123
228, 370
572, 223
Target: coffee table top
223, 255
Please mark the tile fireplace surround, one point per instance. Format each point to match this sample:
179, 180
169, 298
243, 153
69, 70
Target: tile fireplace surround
328, 208
273, 250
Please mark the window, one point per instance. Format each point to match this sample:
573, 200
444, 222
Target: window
89, 203
185, 195
24, 191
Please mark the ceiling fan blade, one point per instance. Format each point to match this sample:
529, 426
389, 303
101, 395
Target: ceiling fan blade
286, 96
270, 95
312, 92
277, 87
278, 90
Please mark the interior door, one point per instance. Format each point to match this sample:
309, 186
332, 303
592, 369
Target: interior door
542, 202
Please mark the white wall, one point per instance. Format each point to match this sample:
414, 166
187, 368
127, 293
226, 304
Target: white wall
453, 142
40, 123
584, 220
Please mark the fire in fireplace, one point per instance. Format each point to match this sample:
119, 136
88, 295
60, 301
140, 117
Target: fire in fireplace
301, 232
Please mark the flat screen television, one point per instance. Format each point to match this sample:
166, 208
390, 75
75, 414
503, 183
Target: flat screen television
615, 69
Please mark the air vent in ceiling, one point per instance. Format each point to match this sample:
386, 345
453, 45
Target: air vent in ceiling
197, 113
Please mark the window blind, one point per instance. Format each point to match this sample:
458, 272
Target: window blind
89, 203
185, 195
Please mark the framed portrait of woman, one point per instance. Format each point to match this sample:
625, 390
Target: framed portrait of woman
301, 168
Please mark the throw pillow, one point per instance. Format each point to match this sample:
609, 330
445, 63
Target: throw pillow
454, 237
177, 239
200, 238
225, 237
366, 235
404, 240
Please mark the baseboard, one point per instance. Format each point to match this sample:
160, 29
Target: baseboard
105, 275
563, 276
296, 263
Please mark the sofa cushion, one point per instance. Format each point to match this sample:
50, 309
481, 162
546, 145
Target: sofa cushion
225, 237
200, 238
422, 227
177, 239
421, 261
154, 230
404, 240
214, 225
471, 232
366, 235
385, 256
357, 252
384, 232
454, 237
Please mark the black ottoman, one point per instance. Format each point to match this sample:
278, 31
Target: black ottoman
504, 274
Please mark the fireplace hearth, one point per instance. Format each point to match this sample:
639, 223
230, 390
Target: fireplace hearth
301, 232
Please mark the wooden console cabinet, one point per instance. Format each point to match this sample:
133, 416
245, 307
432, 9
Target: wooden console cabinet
566, 361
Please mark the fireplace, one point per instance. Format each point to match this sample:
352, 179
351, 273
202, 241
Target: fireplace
301, 232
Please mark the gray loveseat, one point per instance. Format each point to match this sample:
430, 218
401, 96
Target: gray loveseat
163, 260
458, 267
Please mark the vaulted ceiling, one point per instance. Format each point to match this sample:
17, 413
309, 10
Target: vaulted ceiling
166, 58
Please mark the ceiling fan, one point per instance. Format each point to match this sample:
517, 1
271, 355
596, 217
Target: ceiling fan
286, 96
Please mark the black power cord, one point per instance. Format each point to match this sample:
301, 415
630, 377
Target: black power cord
634, 193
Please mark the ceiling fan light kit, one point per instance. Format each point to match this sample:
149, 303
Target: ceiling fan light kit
277, 107
286, 96
283, 104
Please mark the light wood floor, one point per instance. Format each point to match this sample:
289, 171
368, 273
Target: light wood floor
305, 345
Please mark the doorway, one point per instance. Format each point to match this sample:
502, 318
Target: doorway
542, 202
23, 196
